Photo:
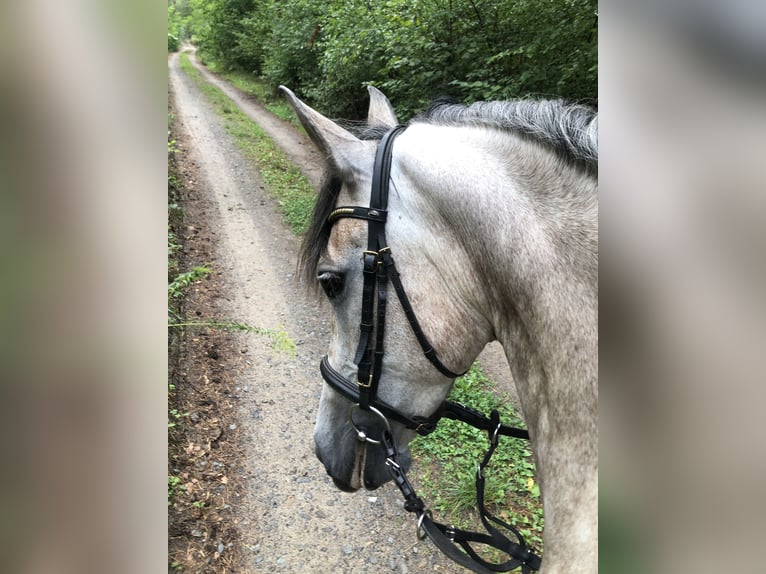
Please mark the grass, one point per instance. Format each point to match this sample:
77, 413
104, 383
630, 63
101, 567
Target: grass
283, 180
279, 338
181, 282
448, 458
264, 93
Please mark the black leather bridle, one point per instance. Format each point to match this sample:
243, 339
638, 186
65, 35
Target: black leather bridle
379, 269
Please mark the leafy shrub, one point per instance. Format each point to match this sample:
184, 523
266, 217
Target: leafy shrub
173, 43
328, 50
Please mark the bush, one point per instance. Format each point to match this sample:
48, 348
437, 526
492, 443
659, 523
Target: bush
173, 43
328, 50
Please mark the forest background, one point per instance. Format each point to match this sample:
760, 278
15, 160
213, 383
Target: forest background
327, 51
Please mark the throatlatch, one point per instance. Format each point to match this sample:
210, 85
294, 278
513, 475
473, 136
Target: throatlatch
379, 268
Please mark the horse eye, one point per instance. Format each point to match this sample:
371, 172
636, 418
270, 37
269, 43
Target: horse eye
332, 283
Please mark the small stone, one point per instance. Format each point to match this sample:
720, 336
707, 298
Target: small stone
347, 550
221, 548
232, 426
373, 560
372, 499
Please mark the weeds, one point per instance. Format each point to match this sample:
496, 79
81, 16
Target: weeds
177, 286
174, 488
280, 339
261, 91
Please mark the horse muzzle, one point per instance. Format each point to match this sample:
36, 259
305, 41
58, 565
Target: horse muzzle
356, 459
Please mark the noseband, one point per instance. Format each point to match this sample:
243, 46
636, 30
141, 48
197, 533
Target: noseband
379, 268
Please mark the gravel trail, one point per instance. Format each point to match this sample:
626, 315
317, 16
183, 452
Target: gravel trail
294, 520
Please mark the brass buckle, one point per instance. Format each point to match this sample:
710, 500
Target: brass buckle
367, 385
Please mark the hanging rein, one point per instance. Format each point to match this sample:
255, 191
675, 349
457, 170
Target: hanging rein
379, 269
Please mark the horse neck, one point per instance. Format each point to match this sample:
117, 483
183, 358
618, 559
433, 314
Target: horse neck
526, 223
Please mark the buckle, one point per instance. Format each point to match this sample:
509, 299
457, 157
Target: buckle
366, 385
420, 530
370, 260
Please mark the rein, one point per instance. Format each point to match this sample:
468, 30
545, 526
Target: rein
379, 269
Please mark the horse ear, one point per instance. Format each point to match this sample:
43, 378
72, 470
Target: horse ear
381, 111
337, 144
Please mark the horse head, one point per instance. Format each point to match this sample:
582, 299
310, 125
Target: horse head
434, 272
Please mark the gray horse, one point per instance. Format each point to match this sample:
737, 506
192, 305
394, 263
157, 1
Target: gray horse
493, 220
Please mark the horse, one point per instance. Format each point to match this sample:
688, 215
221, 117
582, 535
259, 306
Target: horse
492, 217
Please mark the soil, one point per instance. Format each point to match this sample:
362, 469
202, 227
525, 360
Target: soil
250, 494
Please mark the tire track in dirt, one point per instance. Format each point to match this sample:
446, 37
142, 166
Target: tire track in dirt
294, 519
296, 145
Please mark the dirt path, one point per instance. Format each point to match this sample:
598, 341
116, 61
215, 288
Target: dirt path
293, 517
295, 144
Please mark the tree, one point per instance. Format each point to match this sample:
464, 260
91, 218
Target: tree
328, 50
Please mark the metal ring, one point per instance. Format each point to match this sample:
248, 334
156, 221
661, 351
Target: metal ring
361, 435
494, 435
421, 532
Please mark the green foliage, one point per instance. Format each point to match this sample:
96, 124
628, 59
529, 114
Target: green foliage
291, 52
173, 43
178, 11
280, 339
231, 33
174, 487
447, 460
257, 87
178, 285
414, 50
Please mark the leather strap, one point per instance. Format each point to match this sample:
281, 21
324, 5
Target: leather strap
448, 538
423, 425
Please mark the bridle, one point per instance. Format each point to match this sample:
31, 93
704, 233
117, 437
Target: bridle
379, 269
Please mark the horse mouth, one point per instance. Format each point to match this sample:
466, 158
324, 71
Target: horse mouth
357, 478
357, 472
364, 467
